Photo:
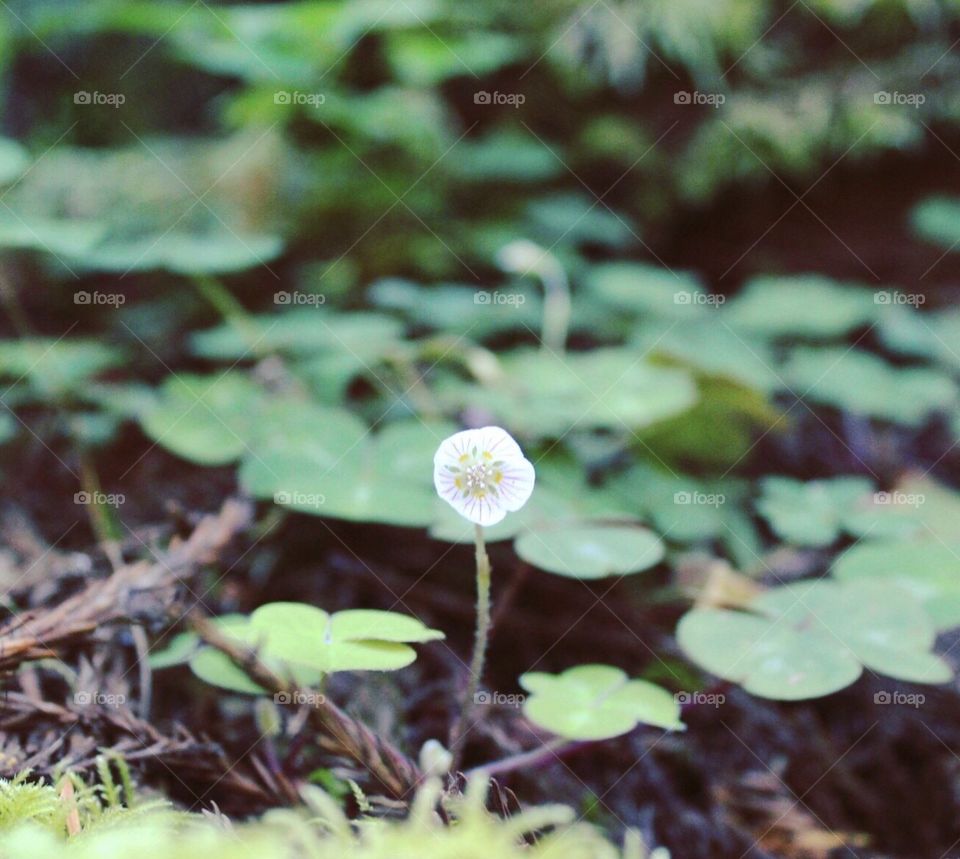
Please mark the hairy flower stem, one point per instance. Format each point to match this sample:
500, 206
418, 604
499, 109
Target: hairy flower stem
480, 640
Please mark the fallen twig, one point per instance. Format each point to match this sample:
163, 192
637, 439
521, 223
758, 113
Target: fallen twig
142, 590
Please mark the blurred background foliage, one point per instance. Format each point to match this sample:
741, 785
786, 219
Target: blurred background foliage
399, 172
200, 161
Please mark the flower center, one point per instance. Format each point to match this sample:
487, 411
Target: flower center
477, 474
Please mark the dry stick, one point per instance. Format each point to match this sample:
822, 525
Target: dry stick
143, 587
139, 740
134, 590
339, 734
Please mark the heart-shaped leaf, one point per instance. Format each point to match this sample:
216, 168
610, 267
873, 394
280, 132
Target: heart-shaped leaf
816, 512
206, 419
928, 569
13, 160
802, 306
922, 334
459, 308
714, 349
298, 447
542, 394
591, 550
768, 659
181, 252
217, 669
936, 219
354, 640
303, 332
813, 638
303, 643
56, 367
648, 290
861, 383
339, 470
683, 509
61, 237
596, 702
177, 652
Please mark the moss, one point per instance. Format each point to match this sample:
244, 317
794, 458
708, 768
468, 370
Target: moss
33, 823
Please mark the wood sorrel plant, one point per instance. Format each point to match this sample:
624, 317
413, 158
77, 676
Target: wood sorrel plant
483, 475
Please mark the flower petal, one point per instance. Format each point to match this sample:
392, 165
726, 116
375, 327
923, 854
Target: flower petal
499, 442
482, 511
517, 484
490, 455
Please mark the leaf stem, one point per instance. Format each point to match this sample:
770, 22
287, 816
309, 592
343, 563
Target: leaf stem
480, 641
231, 310
551, 750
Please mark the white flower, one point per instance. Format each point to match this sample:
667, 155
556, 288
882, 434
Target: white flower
482, 474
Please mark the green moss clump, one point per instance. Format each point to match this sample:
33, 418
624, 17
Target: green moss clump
33, 823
